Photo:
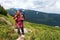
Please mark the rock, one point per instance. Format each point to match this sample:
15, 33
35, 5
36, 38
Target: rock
25, 30
20, 38
57, 26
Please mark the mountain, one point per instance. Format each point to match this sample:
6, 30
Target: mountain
39, 17
12, 11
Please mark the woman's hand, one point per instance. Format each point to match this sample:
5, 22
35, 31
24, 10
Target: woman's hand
15, 18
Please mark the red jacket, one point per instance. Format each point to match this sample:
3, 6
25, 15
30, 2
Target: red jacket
19, 21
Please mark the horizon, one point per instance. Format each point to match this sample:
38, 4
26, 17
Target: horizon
32, 10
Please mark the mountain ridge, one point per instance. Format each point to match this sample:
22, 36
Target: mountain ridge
39, 17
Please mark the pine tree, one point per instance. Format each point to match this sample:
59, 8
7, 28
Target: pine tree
3, 11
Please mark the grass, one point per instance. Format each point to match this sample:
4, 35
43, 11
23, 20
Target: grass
42, 32
6, 31
39, 31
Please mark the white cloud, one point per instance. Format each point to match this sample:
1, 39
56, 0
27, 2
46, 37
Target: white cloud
39, 5
57, 5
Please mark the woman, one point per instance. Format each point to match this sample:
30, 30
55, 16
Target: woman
19, 22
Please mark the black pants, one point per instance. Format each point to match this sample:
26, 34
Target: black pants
22, 30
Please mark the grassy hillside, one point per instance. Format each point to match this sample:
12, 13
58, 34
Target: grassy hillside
39, 31
42, 32
6, 31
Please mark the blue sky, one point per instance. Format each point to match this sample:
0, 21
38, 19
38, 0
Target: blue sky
51, 6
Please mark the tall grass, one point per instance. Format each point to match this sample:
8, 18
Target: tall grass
42, 32
6, 31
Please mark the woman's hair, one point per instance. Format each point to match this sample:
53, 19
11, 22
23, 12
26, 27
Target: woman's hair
18, 12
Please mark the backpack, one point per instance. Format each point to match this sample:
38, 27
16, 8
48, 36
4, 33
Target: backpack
23, 15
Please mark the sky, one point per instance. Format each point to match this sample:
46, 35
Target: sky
50, 6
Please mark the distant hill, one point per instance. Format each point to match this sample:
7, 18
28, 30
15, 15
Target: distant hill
39, 17
11, 11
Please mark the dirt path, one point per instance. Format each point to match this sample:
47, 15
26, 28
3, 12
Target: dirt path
20, 38
9, 23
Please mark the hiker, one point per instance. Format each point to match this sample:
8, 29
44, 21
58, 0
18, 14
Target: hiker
19, 18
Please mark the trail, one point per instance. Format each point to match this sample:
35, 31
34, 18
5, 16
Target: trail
20, 38
9, 23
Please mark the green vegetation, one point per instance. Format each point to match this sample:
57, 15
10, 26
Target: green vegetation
3, 11
6, 31
42, 32
39, 31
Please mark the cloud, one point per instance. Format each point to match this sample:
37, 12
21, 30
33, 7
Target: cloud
52, 6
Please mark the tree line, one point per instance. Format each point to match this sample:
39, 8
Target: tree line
3, 11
